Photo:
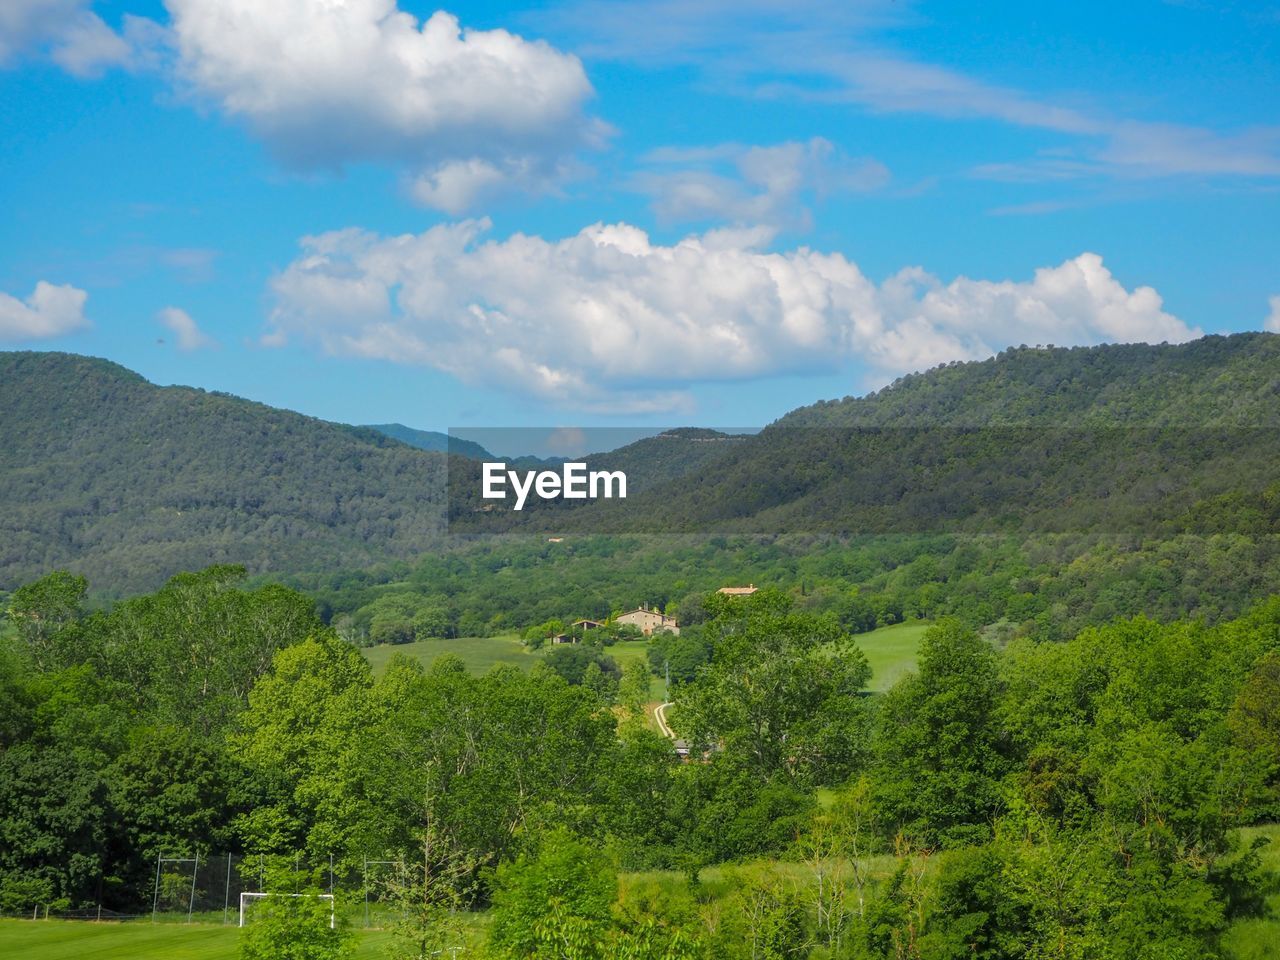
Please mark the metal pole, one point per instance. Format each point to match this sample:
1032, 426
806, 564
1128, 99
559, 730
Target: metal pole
226, 896
191, 903
331, 873
155, 901
364, 877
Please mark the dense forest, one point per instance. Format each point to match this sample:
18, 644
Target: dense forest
1096, 797
1151, 440
130, 483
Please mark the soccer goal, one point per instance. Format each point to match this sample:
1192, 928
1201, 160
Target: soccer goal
249, 896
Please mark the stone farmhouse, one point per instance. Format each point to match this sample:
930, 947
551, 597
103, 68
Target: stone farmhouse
649, 621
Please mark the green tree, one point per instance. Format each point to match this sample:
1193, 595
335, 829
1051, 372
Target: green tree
781, 691
554, 904
293, 922
305, 717
939, 760
42, 612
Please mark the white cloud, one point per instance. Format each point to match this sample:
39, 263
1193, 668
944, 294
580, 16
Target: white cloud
326, 84
185, 329
757, 185
1273, 320
75, 37
50, 311
606, 319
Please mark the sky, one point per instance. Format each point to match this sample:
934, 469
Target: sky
596, 212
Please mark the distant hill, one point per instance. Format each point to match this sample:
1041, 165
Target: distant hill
128, 482
649, 463
432, 440
1111, 439
1216, 381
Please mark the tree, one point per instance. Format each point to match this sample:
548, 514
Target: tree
42, 612
938, 749
553, 904
303, 720
293, 922
572, 660
781, 691
633, 690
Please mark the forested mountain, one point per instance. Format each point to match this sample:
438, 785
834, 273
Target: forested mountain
1217, 381
128, 483
1135, 439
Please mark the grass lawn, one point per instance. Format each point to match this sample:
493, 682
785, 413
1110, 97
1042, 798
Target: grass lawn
891, 651
481, 654
140, 940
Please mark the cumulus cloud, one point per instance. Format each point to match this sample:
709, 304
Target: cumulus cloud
75, 37
1273, 320
609, 320
325, 84
753, 184
185, 329
50, 311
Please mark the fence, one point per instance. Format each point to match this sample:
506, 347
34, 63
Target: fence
193, 887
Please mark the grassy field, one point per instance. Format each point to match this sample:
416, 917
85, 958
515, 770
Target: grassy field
140, 940
890, 650
481, 654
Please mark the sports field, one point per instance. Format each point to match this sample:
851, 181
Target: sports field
140, 940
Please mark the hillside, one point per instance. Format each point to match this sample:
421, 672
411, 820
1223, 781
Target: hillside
127, 482
1213, 382
1113, 439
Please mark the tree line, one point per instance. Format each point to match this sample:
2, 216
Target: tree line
1076, 798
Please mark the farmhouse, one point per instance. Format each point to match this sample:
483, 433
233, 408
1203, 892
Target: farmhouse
587, 624
746, 591
649, 621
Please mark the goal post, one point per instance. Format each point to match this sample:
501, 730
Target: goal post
248, 896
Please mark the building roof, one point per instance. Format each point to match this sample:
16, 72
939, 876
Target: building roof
739, 591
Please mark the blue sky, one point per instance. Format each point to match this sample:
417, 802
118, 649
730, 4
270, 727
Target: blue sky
597, 212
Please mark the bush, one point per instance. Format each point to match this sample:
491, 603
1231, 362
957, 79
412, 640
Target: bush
288, 927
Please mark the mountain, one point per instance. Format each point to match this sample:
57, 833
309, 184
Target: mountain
1128, 439
432, 440
1216, 381
127, 482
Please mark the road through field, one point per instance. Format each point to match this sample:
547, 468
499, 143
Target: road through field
660, 715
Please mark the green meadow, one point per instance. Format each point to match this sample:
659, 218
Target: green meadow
141, 940
891, 651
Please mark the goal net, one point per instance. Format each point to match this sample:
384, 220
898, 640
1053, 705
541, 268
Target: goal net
249, 897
